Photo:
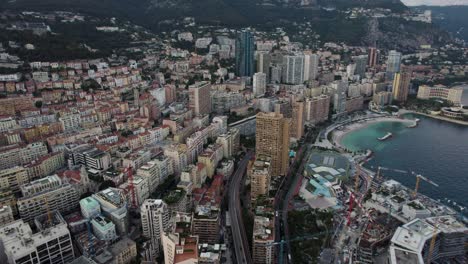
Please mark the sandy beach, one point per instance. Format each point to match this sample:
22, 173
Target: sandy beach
339, 134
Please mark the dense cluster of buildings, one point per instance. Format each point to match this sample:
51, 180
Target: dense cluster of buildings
85, 144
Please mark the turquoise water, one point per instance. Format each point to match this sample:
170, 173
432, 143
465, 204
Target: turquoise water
436, 149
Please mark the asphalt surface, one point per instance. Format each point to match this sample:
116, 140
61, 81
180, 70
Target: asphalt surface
241, 244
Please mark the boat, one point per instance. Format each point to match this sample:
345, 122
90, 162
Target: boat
387, 136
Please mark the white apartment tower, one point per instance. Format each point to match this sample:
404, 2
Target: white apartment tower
259, 83
154, 220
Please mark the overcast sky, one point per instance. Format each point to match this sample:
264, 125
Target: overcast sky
434, 2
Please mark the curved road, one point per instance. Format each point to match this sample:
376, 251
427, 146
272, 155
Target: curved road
241, 244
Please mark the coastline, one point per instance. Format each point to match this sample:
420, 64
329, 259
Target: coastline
455, 121
337, 135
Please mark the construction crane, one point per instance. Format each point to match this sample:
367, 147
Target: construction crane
131, 187
300, 238
432, 244
419, 177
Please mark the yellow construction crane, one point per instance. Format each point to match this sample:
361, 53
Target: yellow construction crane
419, 177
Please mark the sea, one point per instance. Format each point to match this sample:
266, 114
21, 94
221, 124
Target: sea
436, 149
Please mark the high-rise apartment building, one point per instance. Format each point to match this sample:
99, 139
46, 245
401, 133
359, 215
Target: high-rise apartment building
272, 139
361, 63
245, 54
317, 109
339, 102
200, 98
263, 64
297, 120
401, 85
393, 63
259, 83
179, 245
154, 220
13, 178
293, 69
372, 57
311, 63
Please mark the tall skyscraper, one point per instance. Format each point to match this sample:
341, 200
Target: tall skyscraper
259, 83
339, 102
311, 62
361, 62
401, 84
293, 69
263, 64
154, 220
245, 54
200, 98
393, 63
372, 57
272, 139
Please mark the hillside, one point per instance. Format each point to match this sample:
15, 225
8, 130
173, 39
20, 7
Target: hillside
454, 19
331, 23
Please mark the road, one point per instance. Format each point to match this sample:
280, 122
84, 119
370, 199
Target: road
241, 244
282, 200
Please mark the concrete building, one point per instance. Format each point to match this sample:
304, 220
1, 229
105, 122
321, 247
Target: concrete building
361, 63
339, 100
154, 220
124, 251
297, 120
317, 109
263, 64
263, 252
401, 85
90, 207
373, 57
259, 83
452, 95
311, 64
114, 206
206, 222
199, 98
382, 98
48, 194
156, 171
13, 178
180, 246
411, 242
293, 69
272, 139
230, 142
245, 54
90, 157
103, 228
354, 104
260, 176
6, 215
393, 63
50, 244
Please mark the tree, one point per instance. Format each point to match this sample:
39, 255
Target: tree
38, 104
